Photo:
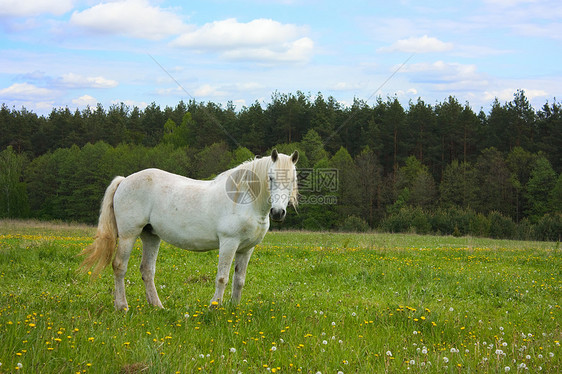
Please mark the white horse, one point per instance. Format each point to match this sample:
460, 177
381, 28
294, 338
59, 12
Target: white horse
230, 212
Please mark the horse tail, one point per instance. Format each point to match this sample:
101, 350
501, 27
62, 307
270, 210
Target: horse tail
100, 252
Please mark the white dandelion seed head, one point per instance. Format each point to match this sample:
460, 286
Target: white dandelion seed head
424, 350
412, 362
273, 349
528, 357
19, 365
324, 342
550, 354
507, 368
353, 314
445, 359
389, 354
540, 356
232, 350
333, 323
451, 309
201, 355
504, 344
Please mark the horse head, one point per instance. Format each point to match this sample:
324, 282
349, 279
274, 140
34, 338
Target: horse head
282, 179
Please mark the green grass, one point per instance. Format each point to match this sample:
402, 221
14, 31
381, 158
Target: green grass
313, 302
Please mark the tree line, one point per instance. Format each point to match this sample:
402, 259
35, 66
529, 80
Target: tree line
427, 168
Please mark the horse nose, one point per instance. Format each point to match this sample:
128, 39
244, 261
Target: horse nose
277, 214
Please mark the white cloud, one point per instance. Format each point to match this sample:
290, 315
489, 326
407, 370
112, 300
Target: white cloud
24, 91
31, 8
72, 80
134, 18
506, 95
85, 100
446, 76
207, 90
424, 44
131, 103
260, 39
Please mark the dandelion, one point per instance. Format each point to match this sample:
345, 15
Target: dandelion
424, 350
550, 354
19, 365
528, 357
232, 350
353, 314
324, 342
454, 350
412, 362
451, 309
507, 368
389, 354
273, 349
445, 360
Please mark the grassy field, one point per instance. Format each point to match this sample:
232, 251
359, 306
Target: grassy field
313, 302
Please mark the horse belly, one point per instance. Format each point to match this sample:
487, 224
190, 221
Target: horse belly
186, 232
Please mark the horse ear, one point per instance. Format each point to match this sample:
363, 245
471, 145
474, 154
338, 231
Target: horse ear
274, 155
295, 156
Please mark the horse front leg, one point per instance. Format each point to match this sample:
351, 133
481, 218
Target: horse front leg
227, 250
240, 267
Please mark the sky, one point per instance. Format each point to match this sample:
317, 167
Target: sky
78, 53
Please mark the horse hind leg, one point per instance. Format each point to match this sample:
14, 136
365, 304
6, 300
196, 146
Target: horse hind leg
120, 268
150, 247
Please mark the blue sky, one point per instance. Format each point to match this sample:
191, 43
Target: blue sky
73, 53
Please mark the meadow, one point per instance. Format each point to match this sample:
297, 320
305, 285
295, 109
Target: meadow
313, 303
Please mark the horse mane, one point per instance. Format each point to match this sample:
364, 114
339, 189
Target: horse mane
259, 166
